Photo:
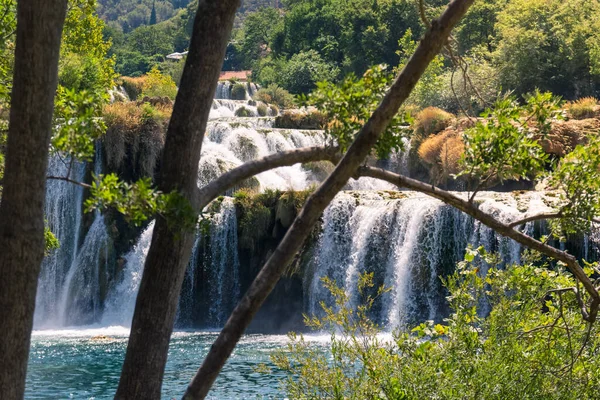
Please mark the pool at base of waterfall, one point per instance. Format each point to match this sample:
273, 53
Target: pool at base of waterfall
86, 363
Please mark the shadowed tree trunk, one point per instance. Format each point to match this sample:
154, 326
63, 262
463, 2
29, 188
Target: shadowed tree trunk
39, 27
242, 315
156, 305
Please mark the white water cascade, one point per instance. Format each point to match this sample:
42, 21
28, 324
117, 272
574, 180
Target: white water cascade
71, 280
407, 240
120, 302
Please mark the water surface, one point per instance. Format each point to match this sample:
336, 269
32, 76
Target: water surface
75, 364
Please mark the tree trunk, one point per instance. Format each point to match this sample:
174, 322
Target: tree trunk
156, 305
39, 27
242, 315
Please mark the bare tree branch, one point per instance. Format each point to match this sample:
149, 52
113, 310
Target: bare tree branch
263, 284
65, 179
505, 230
247, 170
537, 217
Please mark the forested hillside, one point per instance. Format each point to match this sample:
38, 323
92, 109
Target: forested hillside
504, 45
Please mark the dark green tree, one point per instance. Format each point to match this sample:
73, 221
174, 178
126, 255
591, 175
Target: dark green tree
153, 14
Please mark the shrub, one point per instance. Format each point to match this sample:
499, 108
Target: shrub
430, 148
564, 136
303, 70
450, 155
137, 130
582, 108
310, 119
243, 112
238, 92
133, 86
532, 343
274, 94
274, 110
261, 109
158, 85
431, 120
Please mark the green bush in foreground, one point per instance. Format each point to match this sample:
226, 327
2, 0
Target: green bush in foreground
533, 344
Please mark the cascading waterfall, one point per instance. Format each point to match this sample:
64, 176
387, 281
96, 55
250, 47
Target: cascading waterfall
120, 302
228, 144
408, 243
80, 301
224, 88
74, 278
63, 218
222, 274
407, 240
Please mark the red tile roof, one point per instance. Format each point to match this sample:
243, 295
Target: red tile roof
239, 75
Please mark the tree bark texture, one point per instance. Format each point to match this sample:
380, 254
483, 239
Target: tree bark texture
242, 315
156, 305
39, 27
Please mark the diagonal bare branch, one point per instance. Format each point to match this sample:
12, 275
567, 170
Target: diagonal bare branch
262, 286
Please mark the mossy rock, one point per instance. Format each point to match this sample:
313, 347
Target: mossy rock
243, 112
238, 92
312, 119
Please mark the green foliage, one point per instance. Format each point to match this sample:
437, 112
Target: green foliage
258, 31
548, 44
273, 94
84, 63
157, 84
8, 24
504, 145
578, 178
139, 201
533, 344
349, 105
51, 241
302, 72
256, 211
238, 91
78, 122
243, 112
428, 89
261, 109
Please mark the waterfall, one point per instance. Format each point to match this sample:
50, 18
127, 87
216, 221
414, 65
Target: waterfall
120, 302
223, 275
228, 144
223, 91
63, 217
408, 243
73, 279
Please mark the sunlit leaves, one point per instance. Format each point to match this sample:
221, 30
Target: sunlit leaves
578, 178
51, 241
504, 145
512, 333
78, 122
350, 104
139, 201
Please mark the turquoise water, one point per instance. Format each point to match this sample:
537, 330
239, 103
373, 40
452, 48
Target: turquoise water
70, 364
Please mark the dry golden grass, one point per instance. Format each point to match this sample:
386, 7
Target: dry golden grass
137, 130
133, 86
432, 120
430, 148
565, 135
586, 107
450, 155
